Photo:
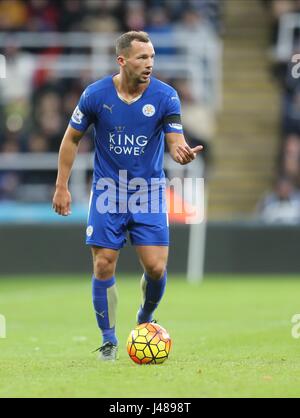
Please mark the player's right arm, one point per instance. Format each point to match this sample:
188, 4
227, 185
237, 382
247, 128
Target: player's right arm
67, 154
80, 121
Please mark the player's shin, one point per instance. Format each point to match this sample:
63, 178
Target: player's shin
105, 300
152, 293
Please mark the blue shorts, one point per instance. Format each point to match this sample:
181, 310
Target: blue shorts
109, 230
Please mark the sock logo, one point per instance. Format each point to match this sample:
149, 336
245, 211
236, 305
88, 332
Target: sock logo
102, 314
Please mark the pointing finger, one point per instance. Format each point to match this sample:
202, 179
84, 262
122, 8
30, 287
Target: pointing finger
197, 149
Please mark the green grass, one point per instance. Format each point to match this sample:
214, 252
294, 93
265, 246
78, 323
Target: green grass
231, 338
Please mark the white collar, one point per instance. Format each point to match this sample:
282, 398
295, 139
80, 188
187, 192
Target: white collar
127, 101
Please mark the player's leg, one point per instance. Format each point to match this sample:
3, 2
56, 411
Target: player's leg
106, 235
104, 291
149, 232
153, 283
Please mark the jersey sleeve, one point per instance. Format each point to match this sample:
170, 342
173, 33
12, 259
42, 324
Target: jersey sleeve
83, 115
172, 118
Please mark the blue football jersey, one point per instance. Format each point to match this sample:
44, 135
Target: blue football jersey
128, 136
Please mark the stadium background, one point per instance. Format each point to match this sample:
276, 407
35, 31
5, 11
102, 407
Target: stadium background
231, 62
239, 100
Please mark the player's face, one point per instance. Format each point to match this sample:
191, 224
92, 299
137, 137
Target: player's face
138, 64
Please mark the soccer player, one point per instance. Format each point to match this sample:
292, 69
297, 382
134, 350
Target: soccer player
132, 113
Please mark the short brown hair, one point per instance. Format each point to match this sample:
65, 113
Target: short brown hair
124, 41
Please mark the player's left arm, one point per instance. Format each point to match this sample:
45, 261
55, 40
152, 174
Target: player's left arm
180, 150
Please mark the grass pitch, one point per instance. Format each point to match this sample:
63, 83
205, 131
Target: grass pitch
231, 338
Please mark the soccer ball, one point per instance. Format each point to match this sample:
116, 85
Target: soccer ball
149, 343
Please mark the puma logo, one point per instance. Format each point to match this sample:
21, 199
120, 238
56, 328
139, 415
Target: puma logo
105, 106
101, 314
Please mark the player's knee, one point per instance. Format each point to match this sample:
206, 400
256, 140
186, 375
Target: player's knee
156, 271
104, 267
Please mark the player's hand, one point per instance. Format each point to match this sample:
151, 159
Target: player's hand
62, 201
184, 154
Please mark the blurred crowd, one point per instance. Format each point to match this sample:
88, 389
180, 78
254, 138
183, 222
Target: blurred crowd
103, 15
284, 202
36, 104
